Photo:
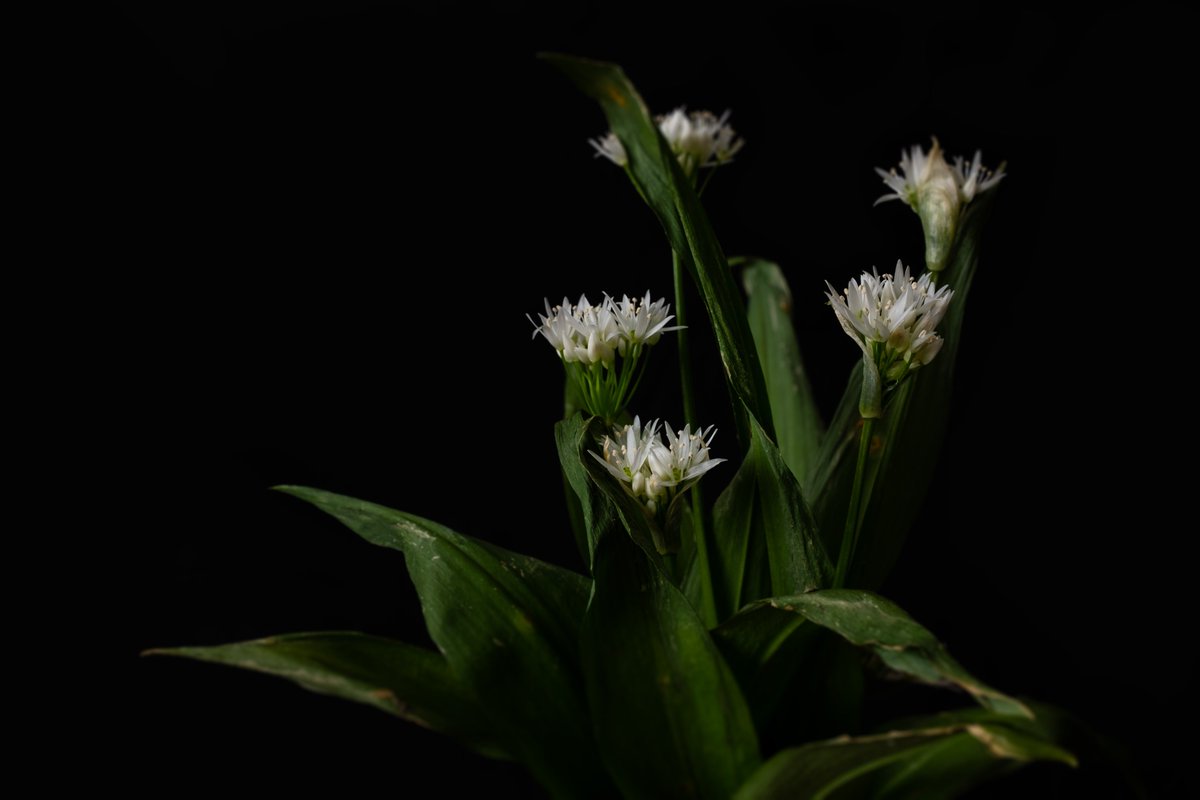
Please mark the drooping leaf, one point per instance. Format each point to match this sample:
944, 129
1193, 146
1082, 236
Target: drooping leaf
798, 425
407, 681
870, 621
821, 769
897, 764
908, 438
663, 185
954, 767
669, 717
507, 625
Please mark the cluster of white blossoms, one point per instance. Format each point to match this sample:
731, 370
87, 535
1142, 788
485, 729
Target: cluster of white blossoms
596, 334
892, 319
698, 139
602, 346
652, 471
937, 192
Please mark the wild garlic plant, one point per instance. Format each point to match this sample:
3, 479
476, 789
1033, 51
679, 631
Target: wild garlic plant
705, 650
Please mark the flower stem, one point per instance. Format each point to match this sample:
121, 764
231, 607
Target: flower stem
708, 605
853, 512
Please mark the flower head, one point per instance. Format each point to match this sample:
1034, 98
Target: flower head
698, 139
937, 192
651, 471
581, 332
892, 319
602, 345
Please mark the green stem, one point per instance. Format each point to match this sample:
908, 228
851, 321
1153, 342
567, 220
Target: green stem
853, 512
708, 604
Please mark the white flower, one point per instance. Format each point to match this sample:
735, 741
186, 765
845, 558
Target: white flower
698, 139
937, 192
975, 179
611, 148
582, 332
892, 319
602, 346
641, 321
684, 458
592, 334
653, 472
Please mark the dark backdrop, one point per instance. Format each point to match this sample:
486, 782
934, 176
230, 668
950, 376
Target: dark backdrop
343, 212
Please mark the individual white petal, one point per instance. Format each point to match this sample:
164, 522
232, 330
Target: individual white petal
610, 147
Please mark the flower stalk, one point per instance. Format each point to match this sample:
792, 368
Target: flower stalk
854, 510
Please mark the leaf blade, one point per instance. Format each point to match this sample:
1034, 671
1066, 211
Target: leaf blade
871, 621
798, 424
507, 625
670, 719
400, 679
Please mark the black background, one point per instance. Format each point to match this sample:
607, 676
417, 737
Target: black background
346, 210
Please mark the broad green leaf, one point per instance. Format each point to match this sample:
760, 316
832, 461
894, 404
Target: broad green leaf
662, 184
508, 626
669, 717
870, 621
762, 524
409, 682
820, 769
941, 771
953, 767
897, 764
798, 425
908, 438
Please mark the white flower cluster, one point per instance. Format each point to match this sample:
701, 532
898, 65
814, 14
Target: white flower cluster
651, 470
595, 334
920, 172
896, 311
698, 139
937, 192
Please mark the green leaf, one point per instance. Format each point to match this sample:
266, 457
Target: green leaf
908, 437
575, 437
955, 766
508, 626
669, 717
798, 425
735, 530
765, 649
409, 682
820, 769
798, 562
764, 505
935, 762
662, 184
870, 621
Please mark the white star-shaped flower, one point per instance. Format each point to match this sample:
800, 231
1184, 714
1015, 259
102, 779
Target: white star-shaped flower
937, 192
698, 139
892, 318
651, 471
